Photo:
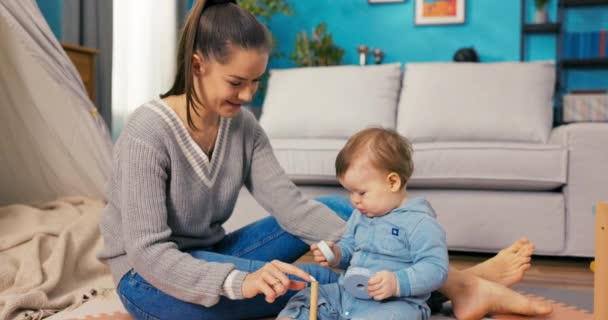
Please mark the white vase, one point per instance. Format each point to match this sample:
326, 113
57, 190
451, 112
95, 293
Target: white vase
541, 15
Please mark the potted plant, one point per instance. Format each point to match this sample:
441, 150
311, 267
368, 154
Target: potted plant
319, 50
264, 10
541, 15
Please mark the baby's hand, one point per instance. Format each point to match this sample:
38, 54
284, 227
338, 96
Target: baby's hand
382, 285
320, 258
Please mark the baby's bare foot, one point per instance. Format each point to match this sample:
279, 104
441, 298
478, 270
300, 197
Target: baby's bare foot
481, 297
508, 266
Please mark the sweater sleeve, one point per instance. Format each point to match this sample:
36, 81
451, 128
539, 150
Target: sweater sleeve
142, 186
307, 219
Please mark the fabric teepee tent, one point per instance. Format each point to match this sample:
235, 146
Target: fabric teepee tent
52, 142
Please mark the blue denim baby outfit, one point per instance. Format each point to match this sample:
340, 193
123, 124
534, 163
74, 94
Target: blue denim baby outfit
408, 241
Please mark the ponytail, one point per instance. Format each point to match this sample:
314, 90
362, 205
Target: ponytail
211, 27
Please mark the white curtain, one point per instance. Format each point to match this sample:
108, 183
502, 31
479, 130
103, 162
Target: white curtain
145, 41
53, 143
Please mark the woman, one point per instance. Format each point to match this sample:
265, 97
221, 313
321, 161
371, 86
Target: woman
178, 167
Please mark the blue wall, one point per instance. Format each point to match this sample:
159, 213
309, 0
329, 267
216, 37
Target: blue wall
492, 27
52, 11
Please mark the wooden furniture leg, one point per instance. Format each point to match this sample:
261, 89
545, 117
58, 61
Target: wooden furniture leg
600, 293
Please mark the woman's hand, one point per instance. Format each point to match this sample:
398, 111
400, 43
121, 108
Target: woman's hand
271, 280
320, 258
382, 285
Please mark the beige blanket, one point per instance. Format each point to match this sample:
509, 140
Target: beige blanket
47, 257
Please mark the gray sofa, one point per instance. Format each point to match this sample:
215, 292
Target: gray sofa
485, 152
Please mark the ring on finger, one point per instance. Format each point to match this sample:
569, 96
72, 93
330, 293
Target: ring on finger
275, 283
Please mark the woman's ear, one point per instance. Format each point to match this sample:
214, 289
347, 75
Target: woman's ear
394, 181
198, 65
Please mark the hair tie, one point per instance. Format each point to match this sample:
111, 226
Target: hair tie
210, 3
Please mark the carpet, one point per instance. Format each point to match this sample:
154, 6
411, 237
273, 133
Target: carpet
569, 304
582, 299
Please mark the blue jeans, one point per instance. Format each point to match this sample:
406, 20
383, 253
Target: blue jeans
334, 302
249, 249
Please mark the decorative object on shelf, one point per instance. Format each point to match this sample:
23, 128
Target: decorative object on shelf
319, 50
378, 55
362, 49
466, 55
586, 106
384, 1
429, 12
541, 16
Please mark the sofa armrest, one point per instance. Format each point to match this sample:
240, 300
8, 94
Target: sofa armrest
587, 182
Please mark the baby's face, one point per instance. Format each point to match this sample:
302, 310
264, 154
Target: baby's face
370, 190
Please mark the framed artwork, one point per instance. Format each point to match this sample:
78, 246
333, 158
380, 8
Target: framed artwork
384, 1
429, 12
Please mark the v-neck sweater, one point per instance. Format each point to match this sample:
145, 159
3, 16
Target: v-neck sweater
165, 197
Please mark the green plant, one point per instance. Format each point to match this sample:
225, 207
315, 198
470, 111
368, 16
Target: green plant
318, 50
540, 4
265, 9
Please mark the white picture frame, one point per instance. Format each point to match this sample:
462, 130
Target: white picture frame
384, 1
437, 12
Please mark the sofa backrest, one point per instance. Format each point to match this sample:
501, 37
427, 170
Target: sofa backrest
505, 102
491, 102
330, 102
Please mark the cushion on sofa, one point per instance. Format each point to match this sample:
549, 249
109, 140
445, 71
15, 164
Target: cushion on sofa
506, 101
330, 102
474, 165
485, 165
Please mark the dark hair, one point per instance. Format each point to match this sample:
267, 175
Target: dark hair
212, 28
386, 148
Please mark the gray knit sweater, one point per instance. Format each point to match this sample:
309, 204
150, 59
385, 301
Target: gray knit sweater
165, 197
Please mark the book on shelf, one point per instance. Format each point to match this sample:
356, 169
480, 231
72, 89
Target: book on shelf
585, 45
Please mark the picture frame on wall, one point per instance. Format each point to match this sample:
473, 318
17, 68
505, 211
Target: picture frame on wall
433, 12
384, 1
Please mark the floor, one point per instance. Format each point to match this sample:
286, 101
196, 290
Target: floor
566, 273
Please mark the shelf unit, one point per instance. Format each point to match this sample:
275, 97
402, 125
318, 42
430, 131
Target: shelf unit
541, 28
556, 28
592, 63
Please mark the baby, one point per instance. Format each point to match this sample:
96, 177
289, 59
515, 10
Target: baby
392, 238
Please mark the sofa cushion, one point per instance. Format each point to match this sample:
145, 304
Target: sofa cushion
475, 165
330, 102
499, 166
477, 102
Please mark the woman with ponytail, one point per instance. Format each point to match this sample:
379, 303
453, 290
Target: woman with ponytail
178, 167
